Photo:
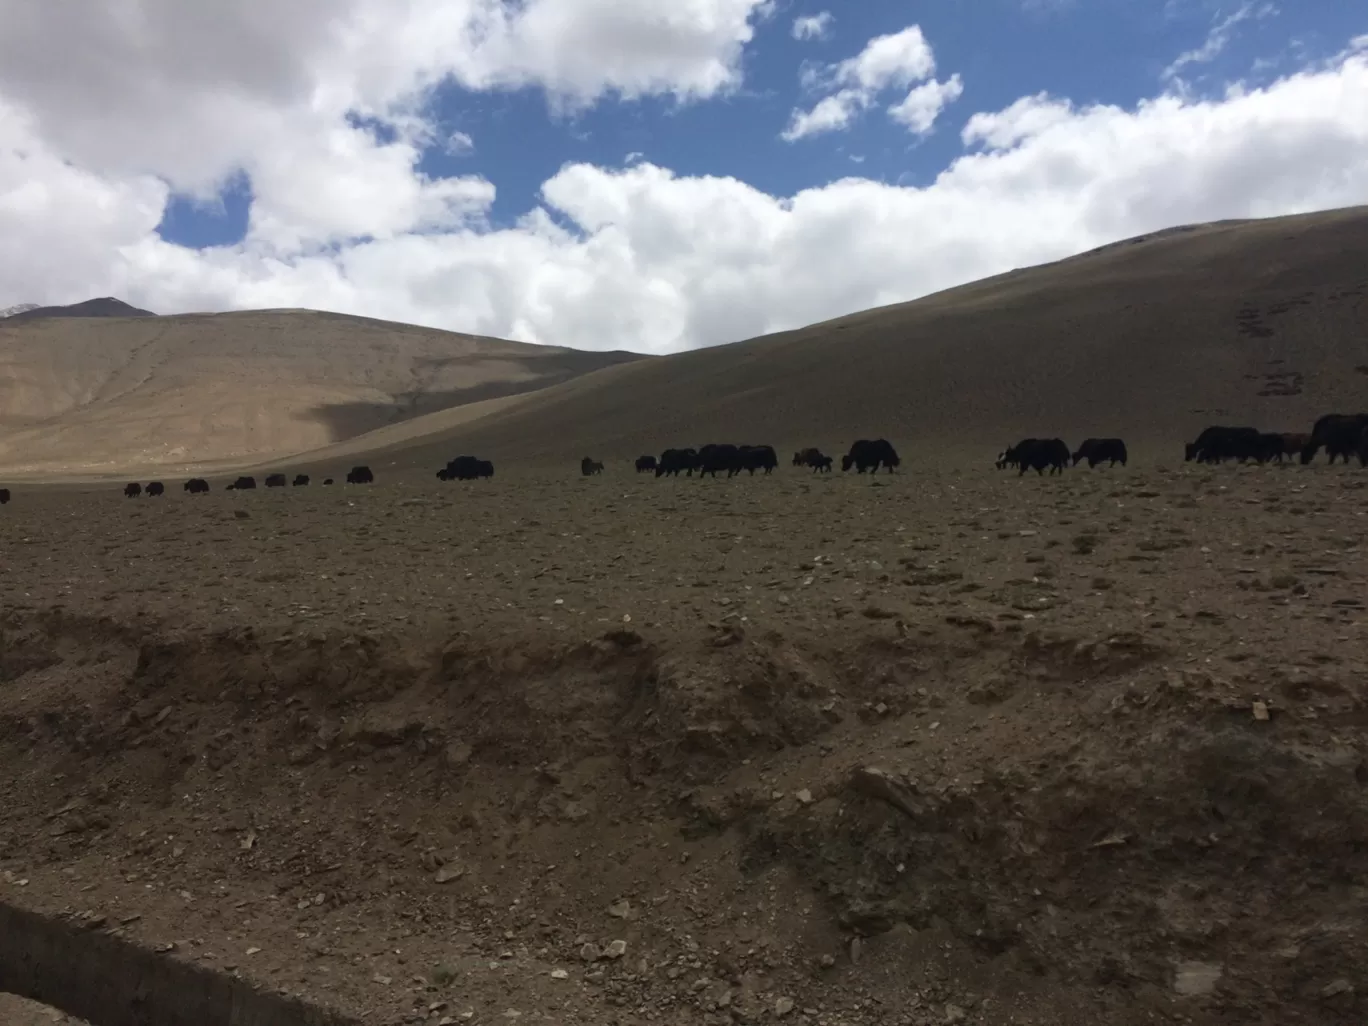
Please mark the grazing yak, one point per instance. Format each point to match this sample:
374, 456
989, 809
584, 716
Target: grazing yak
1216, 444
870, 455
241, 484
645, 464
672, 461
589, 466
1338, 434
715, 457
155, 488
4, 496
1036, 454
132, 490
1098, 450
466, 468
327, 481
1363, 448
276, 481
360, 474
301, 480
196, 486
751, 458
1278, 446
814, 458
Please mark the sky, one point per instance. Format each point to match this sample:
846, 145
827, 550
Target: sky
652, 175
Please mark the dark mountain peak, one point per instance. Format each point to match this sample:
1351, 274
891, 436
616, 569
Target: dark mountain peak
105, 306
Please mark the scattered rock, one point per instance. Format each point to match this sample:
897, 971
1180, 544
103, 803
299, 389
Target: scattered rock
615, 950
1192, 979
783, 1006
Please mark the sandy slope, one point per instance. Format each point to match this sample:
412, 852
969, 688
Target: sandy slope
81, 396
1261, 322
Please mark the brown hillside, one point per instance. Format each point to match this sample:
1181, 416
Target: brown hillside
83, 396
1260, 322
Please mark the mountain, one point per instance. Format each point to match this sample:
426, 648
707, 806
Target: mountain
10, 311
1257, 322
90, 395
106, 306
1243, 322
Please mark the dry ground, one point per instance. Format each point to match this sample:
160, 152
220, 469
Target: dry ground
944, 746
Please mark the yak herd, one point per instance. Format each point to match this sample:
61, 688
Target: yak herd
1341, 435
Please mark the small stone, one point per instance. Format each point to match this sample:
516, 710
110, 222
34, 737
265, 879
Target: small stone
954, 1013
559, 974
1260, 710
616, 949
783, 1006
1336, 988
620, 909
804, 796
448, 873
253, 951
1191, 979
383, 980
589, 953
856, 949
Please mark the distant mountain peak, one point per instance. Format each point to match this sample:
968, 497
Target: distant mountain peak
105, 306
18, 308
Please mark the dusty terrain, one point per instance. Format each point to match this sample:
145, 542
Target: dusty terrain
90, 396
945, 746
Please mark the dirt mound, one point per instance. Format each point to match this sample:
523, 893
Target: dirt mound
944, 748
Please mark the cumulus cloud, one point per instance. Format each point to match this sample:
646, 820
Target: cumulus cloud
813, 26
920, 108
631, 257
895, 60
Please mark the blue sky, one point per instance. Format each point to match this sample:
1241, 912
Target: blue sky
653, 175
1088, 51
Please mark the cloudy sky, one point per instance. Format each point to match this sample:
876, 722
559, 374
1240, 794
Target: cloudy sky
653, 175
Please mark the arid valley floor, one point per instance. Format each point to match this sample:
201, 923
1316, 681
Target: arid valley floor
941, 746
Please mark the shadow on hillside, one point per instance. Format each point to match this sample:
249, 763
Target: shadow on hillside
348, 420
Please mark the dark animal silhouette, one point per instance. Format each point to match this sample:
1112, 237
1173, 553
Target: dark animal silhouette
588, 467
360, 474
1217, 444
132, 490
715, 457
196, 485
241, 484
466, 468
276, 481
155, 488
301, 480
4, 496
814, 458
870, 455
751, 458
672, 461
1363, 448
645, 463
1337, 434
327, 480
1037, 454
1098, 450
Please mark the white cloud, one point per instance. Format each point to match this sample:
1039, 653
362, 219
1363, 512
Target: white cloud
813, 26
458, 144
1218, 38
920, 108
634, 257
895, 60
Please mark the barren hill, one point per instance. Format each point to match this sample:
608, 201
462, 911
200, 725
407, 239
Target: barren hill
83, 396
105, 306
1262, 322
